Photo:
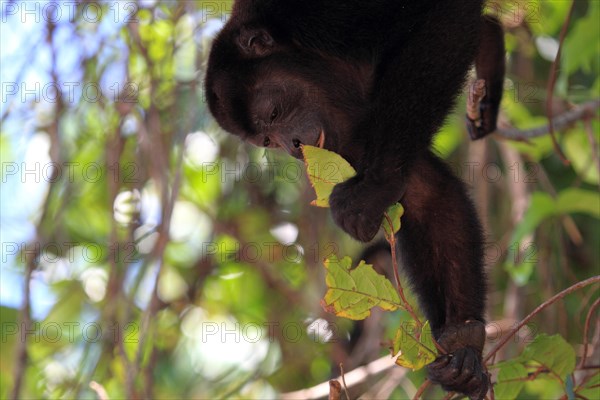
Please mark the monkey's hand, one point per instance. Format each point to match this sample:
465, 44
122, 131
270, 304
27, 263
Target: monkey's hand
357, 206
461, 369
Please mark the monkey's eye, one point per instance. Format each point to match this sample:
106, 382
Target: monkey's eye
274, 114
296, 143
267, 141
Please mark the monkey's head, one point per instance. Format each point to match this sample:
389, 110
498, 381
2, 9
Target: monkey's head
281, 95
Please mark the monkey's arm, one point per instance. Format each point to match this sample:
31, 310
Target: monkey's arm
416, 83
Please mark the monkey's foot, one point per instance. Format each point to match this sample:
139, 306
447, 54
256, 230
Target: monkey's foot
461, 369
476, 115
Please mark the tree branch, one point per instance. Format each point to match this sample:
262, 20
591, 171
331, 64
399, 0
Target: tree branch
354, 378
583, 111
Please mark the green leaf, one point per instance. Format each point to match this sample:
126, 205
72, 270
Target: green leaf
394, 213
553, 352
541, 207
581, 44
579, 152
325, 170
511, 380
71, 301
578, 201
520, 273
354, 292
203, 184
414, 354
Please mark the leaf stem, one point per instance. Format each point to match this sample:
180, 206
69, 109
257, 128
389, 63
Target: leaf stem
422, 389
392, 241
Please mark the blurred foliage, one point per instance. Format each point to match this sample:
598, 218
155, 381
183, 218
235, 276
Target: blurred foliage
166, 259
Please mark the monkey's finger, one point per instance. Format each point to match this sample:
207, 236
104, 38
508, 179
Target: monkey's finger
470, 368
438, 364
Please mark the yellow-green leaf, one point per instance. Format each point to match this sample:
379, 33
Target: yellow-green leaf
414, 354
353, 292
325, 170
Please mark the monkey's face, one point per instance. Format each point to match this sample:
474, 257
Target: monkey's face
287, 112
276, 108
285, 98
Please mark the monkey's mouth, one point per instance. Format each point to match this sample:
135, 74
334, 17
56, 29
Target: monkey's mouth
320, 144
321, 141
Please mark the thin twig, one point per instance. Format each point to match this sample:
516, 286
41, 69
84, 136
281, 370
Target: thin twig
422, 389
25, 322
343, 375
491, 387
115, 145
159, 250
552, 300
159, 171
586, 329
588, 367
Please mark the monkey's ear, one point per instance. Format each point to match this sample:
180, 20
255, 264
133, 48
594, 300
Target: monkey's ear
255, 41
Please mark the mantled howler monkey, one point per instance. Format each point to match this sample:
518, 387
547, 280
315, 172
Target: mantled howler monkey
373, 81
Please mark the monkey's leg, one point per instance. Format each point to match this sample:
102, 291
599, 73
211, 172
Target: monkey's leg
441, 245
